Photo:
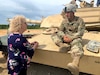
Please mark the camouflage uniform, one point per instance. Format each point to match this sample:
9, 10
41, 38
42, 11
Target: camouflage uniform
73, 30
72, 33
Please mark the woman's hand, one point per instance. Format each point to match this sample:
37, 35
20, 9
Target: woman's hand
35, 44
12, 68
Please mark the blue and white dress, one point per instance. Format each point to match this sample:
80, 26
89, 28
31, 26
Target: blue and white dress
19, 49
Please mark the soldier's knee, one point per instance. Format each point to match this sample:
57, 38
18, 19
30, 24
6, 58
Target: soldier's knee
77, 51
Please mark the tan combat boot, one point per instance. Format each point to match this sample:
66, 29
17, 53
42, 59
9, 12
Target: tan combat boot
74, 66
63, 47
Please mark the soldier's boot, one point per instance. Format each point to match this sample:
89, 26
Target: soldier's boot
74, 66
63, 47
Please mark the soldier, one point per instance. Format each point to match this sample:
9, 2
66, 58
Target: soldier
84, 4
98, 3
69, 37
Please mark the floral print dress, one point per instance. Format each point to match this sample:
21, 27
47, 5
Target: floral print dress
19, 52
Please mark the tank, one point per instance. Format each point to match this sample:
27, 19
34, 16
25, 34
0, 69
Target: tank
48, 56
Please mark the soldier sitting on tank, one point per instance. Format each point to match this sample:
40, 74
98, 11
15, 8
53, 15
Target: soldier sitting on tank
69, 37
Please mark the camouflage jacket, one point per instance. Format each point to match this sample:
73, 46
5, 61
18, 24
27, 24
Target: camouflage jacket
74, 29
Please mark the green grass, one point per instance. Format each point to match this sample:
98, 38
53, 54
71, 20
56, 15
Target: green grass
3, 26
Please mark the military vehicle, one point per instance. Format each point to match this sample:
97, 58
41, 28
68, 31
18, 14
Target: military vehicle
48, 60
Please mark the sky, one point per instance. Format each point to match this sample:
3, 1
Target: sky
32, 9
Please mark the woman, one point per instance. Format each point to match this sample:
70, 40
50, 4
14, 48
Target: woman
20, 51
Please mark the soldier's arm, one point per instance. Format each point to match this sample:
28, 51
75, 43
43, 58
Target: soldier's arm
61, 28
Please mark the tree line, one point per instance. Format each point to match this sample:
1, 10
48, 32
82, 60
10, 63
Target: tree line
4, 26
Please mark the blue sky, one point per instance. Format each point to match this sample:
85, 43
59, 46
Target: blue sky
32, 9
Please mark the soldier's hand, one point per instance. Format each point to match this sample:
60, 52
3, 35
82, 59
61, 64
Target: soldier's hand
67, 39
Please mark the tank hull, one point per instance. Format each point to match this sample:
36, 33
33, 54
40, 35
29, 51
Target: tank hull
48, 54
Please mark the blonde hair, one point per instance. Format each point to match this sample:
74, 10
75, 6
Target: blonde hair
16, 23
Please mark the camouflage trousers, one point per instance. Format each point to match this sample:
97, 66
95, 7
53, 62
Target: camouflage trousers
76, 44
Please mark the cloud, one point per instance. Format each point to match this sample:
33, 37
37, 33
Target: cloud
32, 9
